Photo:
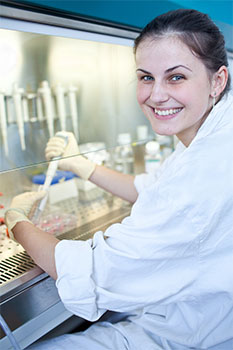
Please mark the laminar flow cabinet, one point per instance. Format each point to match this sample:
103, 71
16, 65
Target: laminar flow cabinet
59, 73
62, 72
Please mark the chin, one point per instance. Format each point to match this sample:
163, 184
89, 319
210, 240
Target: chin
163, 132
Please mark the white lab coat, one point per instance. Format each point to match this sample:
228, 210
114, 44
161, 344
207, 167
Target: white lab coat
168, 267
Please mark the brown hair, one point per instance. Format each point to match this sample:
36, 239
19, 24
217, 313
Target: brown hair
197, 31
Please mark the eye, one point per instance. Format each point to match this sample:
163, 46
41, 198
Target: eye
146, 78
177, 77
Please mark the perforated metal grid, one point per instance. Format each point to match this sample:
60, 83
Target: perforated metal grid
14, 266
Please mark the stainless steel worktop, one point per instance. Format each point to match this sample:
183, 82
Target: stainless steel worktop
28, 297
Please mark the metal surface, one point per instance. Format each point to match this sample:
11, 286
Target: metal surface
94, 209
27, 294
69, 21
15, 266
40, 53
33, 313
29, 300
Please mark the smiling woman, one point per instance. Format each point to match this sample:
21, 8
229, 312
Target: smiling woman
166, 270
178, 80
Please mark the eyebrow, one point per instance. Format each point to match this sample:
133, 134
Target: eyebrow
180, 65
167, 70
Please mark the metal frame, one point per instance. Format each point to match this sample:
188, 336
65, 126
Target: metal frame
40, 15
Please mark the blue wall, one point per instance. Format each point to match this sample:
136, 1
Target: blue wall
218, 10
138, 13
129, 12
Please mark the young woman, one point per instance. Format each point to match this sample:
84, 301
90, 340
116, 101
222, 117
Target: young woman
166, 270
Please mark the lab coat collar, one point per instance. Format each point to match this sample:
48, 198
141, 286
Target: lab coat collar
220, 116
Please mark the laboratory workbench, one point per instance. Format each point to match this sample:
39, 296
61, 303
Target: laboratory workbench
29, 300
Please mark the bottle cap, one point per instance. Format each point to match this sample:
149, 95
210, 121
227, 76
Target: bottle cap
124, 139
152, 147
142, 132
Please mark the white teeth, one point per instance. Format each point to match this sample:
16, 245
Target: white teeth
167, 111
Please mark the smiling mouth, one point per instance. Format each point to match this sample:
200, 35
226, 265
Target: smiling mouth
167, 112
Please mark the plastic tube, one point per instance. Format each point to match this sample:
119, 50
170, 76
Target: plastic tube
47, 98
60, 99
8, 332
73, 109
17, 98
3, 123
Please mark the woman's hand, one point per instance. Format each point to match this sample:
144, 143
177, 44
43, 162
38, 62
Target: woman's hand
20, 209
71, 158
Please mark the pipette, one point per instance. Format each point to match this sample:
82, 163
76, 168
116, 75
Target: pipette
25, 108
17, 97
31, 100
52, 168
3, 122
47, 99
39, 108
61, 110
10, 113
73, 109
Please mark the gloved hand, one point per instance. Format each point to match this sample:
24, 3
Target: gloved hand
20, 208
72, 160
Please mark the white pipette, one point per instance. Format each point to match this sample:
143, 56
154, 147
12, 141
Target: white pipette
3, 122
47, 98
17, 98
60, 99
52, 168
39, 108
25, 108
73, 109
10, 113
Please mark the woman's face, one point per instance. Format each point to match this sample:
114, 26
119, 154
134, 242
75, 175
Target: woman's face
173, 88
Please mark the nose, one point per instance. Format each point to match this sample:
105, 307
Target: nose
159, 93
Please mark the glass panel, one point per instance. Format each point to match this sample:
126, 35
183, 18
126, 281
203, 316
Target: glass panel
74, 209
49, 84
53, 83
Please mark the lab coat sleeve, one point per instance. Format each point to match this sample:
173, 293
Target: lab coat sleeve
144, 180
148, 259
76, 287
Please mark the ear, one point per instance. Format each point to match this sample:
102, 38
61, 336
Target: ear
219, 81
